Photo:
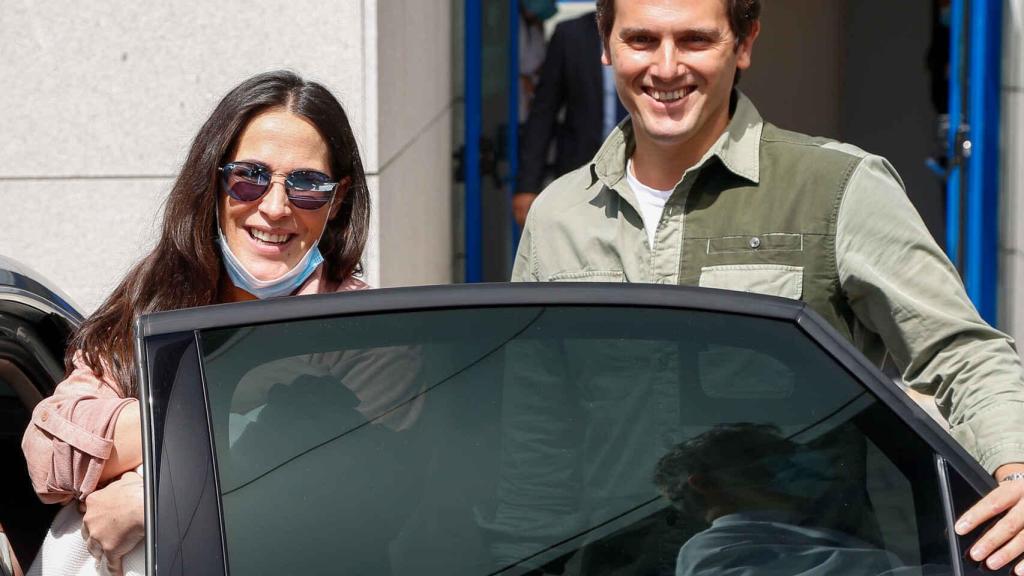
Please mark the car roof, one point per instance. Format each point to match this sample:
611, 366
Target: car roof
21, 284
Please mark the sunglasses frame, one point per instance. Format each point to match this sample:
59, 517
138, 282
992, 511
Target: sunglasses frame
289, 188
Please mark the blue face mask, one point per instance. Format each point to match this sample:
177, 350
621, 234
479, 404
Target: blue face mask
282, 286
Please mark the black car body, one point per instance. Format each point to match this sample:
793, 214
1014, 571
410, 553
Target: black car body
529, 429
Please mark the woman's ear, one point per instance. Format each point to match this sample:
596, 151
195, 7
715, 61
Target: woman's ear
339, 195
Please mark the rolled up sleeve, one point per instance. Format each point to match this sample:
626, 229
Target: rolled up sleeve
902, 287
70, 436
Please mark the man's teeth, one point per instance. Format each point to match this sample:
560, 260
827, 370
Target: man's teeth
268, 238
662, 96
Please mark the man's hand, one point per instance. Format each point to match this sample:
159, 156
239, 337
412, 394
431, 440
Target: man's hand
521, 202
1005, 540
114, 521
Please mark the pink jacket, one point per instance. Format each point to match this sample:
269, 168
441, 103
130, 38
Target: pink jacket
70, 436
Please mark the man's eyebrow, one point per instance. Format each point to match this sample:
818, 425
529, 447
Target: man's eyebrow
709, 33
627, 32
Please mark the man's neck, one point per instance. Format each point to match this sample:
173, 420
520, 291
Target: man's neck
661, 165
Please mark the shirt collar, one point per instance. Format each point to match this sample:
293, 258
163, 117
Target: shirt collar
738, 148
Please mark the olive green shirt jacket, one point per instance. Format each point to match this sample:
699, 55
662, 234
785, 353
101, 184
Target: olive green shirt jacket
781, 213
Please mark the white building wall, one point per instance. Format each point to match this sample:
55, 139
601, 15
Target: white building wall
1011, 282
101, 101
415, 142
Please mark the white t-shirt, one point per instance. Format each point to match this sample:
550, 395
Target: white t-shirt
652, 202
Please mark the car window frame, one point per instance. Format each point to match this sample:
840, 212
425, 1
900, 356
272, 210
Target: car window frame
157, 335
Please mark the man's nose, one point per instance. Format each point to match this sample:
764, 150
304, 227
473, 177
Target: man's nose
666, 60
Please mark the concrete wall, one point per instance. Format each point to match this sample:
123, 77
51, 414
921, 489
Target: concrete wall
853, 70
795, 77
414, 163
101, 101
886, 95
1011, 263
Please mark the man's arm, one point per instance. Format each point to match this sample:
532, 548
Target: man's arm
902, 287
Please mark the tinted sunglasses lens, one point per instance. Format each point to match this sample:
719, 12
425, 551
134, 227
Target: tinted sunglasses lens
309, 190
244, 183
246, 191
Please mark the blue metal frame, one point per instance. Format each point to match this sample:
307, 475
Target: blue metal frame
512, 140
981, 266
972, 189
956, 118
472, 50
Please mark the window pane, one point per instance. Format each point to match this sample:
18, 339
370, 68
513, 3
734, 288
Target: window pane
575, 440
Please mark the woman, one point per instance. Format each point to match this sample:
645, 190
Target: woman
271, 201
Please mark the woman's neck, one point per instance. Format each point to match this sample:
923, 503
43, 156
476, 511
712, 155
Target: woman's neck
228, 292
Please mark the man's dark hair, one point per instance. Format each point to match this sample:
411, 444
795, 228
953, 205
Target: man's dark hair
742, 15
738, 454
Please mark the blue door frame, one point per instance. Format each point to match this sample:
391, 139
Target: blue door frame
972, 189
473, 51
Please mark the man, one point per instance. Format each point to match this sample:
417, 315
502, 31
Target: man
697, 189
754, 489
571, 80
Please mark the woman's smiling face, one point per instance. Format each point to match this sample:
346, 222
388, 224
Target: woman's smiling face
269, 236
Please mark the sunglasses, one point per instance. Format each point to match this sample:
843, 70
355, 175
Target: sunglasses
248, 182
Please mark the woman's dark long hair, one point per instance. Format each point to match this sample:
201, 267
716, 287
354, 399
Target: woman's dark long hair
184, 269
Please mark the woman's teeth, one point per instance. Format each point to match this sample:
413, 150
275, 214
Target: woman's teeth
267, 237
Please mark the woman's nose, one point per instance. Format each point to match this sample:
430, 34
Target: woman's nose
274, 203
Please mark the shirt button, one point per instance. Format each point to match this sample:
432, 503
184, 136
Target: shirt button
755, 242
44, 416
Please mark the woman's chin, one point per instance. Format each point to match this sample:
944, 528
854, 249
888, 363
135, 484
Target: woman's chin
268, 273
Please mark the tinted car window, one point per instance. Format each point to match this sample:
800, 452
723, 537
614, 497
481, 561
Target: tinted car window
584, 440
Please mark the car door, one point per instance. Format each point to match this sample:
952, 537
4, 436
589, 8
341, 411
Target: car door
536, 429
35, 323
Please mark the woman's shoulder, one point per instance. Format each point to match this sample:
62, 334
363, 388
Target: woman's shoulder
352, 283
319, 283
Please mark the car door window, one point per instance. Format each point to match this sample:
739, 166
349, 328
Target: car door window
563, 440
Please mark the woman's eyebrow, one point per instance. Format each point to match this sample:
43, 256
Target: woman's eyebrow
269, 168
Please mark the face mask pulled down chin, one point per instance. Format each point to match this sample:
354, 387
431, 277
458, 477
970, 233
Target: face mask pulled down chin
282, 286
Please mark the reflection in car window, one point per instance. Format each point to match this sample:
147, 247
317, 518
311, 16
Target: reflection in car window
582, 440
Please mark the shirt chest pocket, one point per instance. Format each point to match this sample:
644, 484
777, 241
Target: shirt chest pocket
762, 264
770, 279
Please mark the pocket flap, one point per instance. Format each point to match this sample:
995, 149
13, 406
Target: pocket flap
588, 276
770, 279
773, 242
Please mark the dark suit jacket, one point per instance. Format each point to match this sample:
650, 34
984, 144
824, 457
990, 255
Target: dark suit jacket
571, 78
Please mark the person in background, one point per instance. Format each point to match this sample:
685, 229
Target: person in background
532, 14
574, 106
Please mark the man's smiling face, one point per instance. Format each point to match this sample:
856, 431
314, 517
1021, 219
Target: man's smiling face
674, 63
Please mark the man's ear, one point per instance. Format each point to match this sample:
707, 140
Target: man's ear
606, 57
339, 196
745, 50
